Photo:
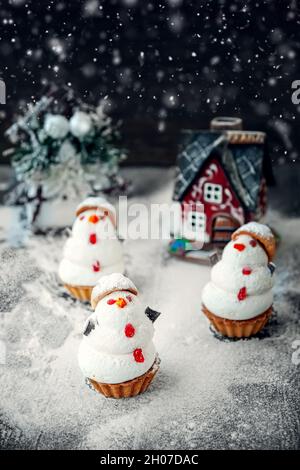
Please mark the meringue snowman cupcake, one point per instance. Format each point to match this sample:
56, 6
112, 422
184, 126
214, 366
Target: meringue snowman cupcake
238, 299
93, 249
117, 355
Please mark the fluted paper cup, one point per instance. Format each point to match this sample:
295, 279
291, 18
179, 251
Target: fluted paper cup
238, 328
82, 293
128, 389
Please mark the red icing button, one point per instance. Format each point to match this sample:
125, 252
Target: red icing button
246, 271
96, 267
94, 219
242, 293
111, 301
93, 238
253, 243
138, 355
239, 246
129, 330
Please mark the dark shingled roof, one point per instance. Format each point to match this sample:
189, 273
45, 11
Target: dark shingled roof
243, 163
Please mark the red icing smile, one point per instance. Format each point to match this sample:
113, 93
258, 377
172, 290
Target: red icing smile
239, 246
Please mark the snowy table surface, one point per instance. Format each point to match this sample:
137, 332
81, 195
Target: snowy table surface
208, 393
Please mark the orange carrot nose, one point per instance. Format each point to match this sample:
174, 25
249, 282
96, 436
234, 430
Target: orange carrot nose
239, 246
94, 218
121, 303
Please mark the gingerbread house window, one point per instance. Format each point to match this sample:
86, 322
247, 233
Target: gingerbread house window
196, 221
213, 193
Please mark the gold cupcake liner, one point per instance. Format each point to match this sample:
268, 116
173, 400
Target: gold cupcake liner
128, 389
238, 328
82, 293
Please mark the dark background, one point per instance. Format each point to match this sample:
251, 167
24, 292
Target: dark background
163, 65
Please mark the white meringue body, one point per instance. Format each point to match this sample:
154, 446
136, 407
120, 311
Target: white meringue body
220, 295
106, 354
80, 255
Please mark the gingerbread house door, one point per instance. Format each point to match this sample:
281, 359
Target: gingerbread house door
222, 228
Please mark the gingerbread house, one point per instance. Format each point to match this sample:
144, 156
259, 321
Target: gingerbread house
227, 170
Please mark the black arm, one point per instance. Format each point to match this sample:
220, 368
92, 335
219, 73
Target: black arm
152, 314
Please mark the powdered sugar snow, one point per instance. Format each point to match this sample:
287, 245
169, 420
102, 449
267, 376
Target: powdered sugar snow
207, 394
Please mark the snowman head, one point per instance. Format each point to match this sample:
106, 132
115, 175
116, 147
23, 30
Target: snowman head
119, 289
95, 209
106, 285
110, 313
94, 223
245, 250
119, 319
261, 234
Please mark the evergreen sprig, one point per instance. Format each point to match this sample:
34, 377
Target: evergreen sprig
35, 153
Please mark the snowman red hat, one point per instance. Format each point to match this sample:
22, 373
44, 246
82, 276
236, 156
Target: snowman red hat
111, 283
97, 204
261, 233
